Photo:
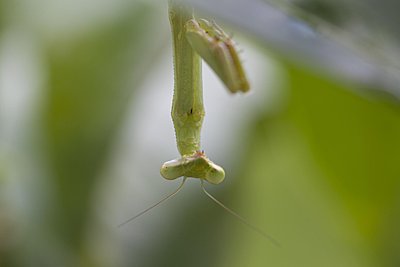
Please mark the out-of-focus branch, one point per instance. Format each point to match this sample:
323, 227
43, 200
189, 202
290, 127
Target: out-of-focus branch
365, 56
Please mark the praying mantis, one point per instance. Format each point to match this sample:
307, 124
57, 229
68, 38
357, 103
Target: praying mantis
194, 40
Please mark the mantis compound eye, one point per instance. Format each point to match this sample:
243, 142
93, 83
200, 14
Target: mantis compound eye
173, 169
215, 175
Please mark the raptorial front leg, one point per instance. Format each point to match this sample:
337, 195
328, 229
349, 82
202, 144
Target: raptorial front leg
187, 106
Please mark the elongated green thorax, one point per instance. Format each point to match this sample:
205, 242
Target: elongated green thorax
187, 105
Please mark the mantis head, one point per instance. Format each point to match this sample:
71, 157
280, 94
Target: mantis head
196, 166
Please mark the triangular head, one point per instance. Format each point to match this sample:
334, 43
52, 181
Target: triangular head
195, 166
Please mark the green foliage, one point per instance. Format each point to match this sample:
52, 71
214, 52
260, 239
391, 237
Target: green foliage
321, 177
324, 178
87, 98
319, 174
91, 80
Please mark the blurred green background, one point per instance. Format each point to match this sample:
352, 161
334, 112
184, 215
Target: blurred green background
85, 95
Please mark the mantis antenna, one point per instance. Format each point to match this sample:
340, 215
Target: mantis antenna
240, 218
155, 205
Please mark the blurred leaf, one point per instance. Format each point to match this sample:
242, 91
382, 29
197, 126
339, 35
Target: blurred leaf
355, 139
357, 41
328, 207
2, 8
91, 82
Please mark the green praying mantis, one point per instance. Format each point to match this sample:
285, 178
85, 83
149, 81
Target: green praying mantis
194, 40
